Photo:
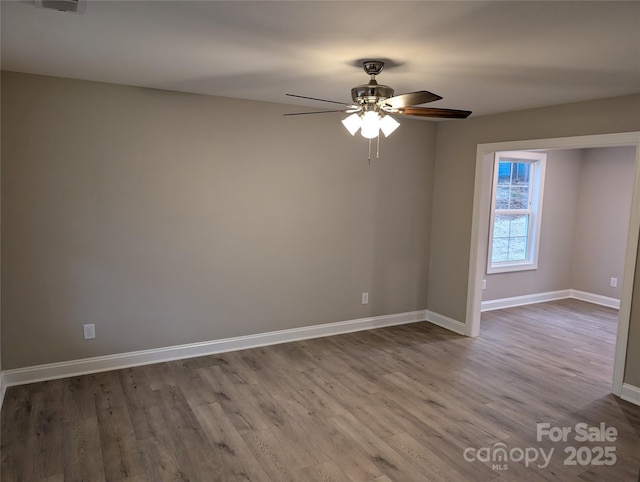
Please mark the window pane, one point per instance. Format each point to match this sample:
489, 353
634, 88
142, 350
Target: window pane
504, 172
510, 234
501, 227
517, 249
500, 251
502, 197
512, 191
520, 173
509, 225
519, 198
519, 224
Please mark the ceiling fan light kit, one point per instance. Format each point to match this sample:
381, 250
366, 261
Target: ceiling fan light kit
388, 124
374, 105
352, 123
370, 123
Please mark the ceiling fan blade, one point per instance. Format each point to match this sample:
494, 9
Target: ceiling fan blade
410, 98
316, 112
434, 112
313, 98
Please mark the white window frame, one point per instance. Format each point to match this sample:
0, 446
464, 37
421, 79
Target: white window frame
538, 162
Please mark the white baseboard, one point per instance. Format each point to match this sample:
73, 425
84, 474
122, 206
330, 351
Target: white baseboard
549, 296
52, 371
524, 300
597, 299
630, 393
446, 322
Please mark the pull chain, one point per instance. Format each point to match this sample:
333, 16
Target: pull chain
377, 149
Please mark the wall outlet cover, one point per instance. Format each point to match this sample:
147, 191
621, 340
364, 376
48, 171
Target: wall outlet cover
89, 331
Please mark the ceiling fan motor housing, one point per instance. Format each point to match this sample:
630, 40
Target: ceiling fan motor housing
370, 93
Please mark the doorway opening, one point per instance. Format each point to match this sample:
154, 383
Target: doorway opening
481, 216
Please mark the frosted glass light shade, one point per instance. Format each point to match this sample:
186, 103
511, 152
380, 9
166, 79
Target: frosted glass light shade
388, 124
352, 123
370, 125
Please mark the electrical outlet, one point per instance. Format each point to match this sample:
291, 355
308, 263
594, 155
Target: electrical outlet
614, 282
89, 331
365, 298
484, 284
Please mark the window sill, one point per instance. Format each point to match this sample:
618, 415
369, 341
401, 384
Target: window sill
511, 267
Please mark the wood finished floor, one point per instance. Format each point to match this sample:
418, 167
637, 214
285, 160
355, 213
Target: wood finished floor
399, 404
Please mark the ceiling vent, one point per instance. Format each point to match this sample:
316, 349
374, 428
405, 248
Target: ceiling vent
75, 6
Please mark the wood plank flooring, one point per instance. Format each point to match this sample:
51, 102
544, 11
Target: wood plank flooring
394, 404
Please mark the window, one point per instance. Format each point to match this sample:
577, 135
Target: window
516, 211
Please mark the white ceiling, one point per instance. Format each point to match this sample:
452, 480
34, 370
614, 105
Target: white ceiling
482, 56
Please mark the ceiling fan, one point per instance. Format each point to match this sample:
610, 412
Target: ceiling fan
374, 106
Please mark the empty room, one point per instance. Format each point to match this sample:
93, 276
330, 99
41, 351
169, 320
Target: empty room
349, 241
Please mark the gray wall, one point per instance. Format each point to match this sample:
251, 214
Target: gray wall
167, 218
560, 206
587, 204
602, 223
453, 190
